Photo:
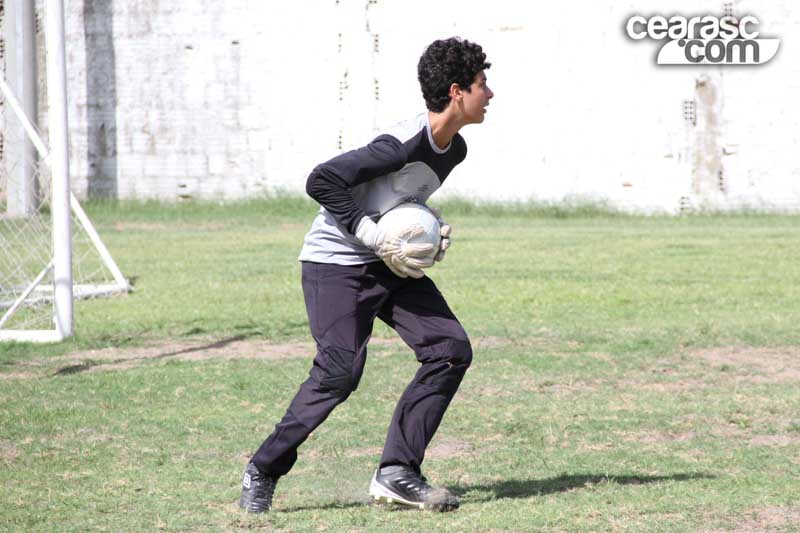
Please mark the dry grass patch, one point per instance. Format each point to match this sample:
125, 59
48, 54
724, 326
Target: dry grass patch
8, 452
18, 375
447, 448
765, 519
115, 358
775, 440
759, 365
659, 437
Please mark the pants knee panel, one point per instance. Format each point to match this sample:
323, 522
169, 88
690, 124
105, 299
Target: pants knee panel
334, 371
459, 353
453, 350
454, 362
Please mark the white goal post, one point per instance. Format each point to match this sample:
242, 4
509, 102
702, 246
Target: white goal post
50, 253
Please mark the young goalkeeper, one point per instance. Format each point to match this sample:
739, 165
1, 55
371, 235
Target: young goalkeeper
352, 273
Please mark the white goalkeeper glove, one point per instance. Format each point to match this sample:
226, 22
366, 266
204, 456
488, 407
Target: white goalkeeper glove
444, 230
402, 257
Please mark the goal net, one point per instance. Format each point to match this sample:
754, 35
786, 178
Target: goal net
45, 236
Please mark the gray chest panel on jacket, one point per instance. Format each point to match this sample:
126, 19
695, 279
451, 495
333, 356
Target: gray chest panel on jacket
415, 182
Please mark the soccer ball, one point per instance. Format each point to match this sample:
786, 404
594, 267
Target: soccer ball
408, 214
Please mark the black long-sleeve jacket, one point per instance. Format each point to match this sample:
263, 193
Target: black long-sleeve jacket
401, 165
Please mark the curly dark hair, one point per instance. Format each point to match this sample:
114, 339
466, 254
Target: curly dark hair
445, 62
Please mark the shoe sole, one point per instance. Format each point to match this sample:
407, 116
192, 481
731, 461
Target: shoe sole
381, 494
253, 507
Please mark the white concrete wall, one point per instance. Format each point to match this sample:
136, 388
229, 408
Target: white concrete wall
230, 99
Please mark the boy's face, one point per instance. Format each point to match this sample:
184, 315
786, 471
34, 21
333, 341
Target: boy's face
476, 100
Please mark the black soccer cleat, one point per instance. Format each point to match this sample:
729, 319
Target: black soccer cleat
257, 490
408, 487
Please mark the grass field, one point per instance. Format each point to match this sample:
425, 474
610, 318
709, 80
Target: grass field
630, 374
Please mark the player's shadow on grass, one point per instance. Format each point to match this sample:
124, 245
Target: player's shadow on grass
323, 506
524, 488
89, 363
514, 488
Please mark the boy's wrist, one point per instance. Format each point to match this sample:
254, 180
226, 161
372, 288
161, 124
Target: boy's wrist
367, 232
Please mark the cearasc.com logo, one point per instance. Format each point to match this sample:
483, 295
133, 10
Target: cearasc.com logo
707, 40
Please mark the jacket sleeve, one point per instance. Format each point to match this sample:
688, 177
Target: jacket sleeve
330, 183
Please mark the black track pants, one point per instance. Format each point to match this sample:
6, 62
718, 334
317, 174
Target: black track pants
342, 303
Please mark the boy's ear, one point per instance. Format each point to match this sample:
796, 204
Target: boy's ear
455, 92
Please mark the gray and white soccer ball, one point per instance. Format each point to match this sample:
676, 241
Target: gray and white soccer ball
408, 214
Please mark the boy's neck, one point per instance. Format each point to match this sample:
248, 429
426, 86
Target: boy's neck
444, 127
